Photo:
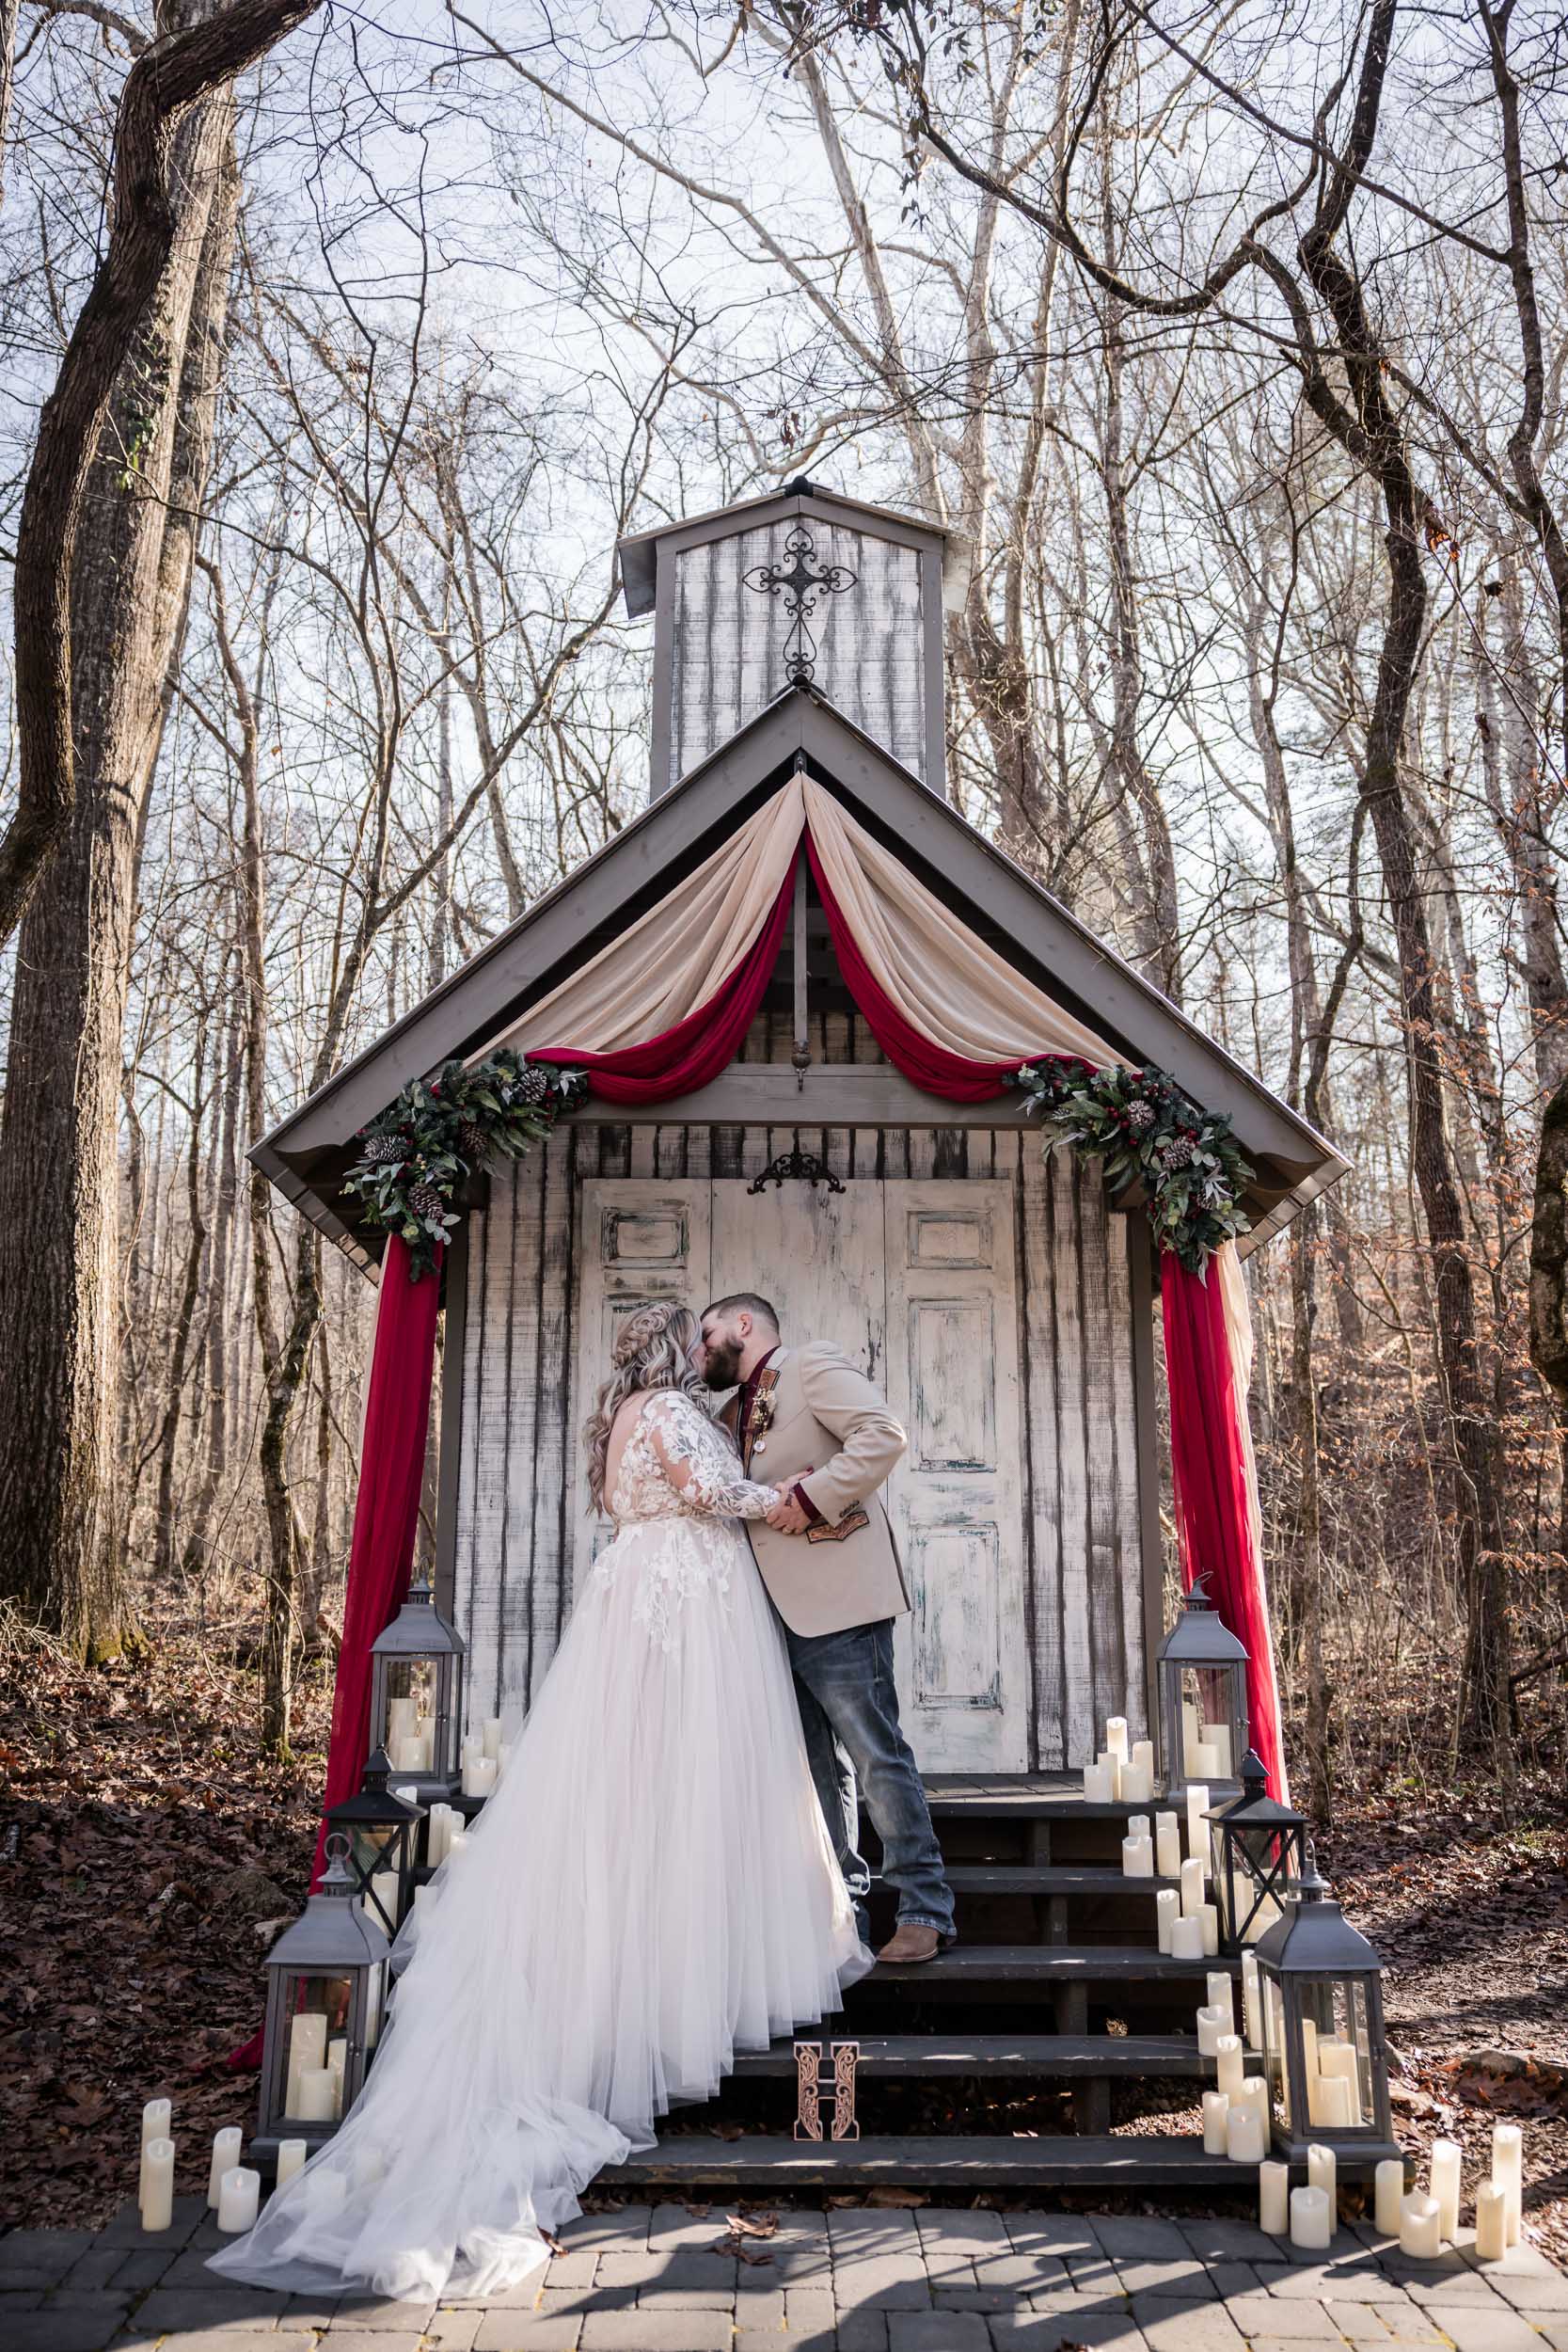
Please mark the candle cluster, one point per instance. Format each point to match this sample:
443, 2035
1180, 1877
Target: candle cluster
1119, 1774
1205, 1747
410, 1736
1424, 2220
483, 1760
315, 2072
233, 2192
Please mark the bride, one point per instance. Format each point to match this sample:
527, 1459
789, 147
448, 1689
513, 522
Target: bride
650, 1888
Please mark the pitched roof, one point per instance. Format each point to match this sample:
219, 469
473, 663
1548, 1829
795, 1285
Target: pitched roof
307, 1152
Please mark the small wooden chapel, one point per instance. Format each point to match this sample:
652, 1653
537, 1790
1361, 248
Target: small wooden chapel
799, 857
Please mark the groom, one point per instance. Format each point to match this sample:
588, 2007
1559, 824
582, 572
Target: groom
807, 1421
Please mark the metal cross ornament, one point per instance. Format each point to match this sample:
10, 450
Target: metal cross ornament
801, 581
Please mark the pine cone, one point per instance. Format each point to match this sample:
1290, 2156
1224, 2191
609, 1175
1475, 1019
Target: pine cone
1140, 1117
425, 1201
472, 1139
1180, 1152
380, 1148
533, 1087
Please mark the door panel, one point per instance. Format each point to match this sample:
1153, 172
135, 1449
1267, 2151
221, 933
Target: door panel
957, 1496
818, 1259
639, 1239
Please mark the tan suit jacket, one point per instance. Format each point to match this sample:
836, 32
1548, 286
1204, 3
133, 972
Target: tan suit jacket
822, 1415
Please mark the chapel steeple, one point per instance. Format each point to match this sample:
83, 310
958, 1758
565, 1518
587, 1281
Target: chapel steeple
802, 587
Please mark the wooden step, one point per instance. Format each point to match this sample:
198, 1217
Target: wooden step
1049, 1878
1026, 1797
1045, 1963
898, 2057
1104, 2162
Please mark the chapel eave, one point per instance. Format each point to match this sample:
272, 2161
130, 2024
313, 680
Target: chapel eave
306, 1153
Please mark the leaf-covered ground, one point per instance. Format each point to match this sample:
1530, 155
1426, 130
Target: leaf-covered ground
150, 1850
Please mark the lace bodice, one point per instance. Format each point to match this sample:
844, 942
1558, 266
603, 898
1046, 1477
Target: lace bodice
677, 1464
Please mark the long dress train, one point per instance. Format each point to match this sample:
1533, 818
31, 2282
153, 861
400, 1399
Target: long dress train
650, 1888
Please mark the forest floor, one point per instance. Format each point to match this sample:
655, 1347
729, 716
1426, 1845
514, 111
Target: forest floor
150, 1852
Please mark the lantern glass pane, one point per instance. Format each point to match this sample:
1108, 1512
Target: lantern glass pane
1342, 2091
1275, 2072
411, 1714
1205, 1717
317, 2011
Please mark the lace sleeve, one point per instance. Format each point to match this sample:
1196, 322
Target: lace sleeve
701, 1464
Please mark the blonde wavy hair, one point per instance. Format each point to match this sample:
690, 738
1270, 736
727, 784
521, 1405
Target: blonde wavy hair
652, 1350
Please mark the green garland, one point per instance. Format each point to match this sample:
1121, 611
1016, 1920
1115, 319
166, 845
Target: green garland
419, 1151
1147, 1132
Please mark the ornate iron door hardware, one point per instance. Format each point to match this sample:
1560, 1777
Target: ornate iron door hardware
796, 1167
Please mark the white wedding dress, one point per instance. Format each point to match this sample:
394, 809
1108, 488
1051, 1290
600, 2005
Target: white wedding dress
650, 1888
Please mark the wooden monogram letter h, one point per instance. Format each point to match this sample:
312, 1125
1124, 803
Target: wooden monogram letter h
811, 2098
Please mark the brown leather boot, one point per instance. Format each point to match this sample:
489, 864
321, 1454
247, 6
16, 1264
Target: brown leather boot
912, 1945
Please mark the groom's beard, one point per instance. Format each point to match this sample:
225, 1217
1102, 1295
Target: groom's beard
721, 1364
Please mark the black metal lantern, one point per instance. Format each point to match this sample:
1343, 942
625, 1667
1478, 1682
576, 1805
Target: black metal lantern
1258, 1854
1325, 2058
416, 1696
1200, 1677
383, 1833
327, 1988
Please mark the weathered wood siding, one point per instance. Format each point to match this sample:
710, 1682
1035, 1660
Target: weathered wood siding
1086, 1440
728, 641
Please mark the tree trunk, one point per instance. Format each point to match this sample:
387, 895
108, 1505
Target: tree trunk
59, 1146
1548, 1283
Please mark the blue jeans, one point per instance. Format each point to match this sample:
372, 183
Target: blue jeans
849, 1714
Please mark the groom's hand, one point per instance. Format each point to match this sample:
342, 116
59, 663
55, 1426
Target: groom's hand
787, 1517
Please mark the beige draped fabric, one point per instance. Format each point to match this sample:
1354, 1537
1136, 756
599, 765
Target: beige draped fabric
960, 993
677, 955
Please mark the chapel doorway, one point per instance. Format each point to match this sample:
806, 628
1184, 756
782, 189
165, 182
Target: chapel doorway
915, 1283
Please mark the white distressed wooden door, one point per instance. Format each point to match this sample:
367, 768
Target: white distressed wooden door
956, 1497
639, 1239
816, 1254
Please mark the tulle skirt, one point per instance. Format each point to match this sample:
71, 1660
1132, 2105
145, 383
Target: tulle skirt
650, 1888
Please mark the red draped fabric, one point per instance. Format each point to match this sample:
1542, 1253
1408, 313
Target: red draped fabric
692, 1054
385, 1521
1209, 1457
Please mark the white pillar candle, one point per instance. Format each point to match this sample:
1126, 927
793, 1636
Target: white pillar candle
1189, 1734
1252, 2010
1206, 1759
1137, 1784
1246, 2141
1337, 2062
290, 2159
1309, 2046
157, 2184
238, 2195
1192, 1888
426, 1894
317, 2088
1168, 1845
1198, 1828
1222, 1995
1186, 1939
479, 1776
1143, 1757
1328, 2102
1167, 1910
1209, 1918
384, 1891
1420, 2227
1508, 2173
1443, 2184
1491, 2222
155, 2120
1273, 2199
1099, 1784
473, 1747
1389, 2195
1212, 2024
401, 1716
1323, 2172
408, 1754
226, 2155
1219, 1740
1232, 2072
492, 1735
457, 1843
1216, 2111
1115, 1737
1311, 2223
1137, 1857
307, 2048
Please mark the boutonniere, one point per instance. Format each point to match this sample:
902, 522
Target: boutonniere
765, 1403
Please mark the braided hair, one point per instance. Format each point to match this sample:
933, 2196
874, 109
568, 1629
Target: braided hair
652, 1350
